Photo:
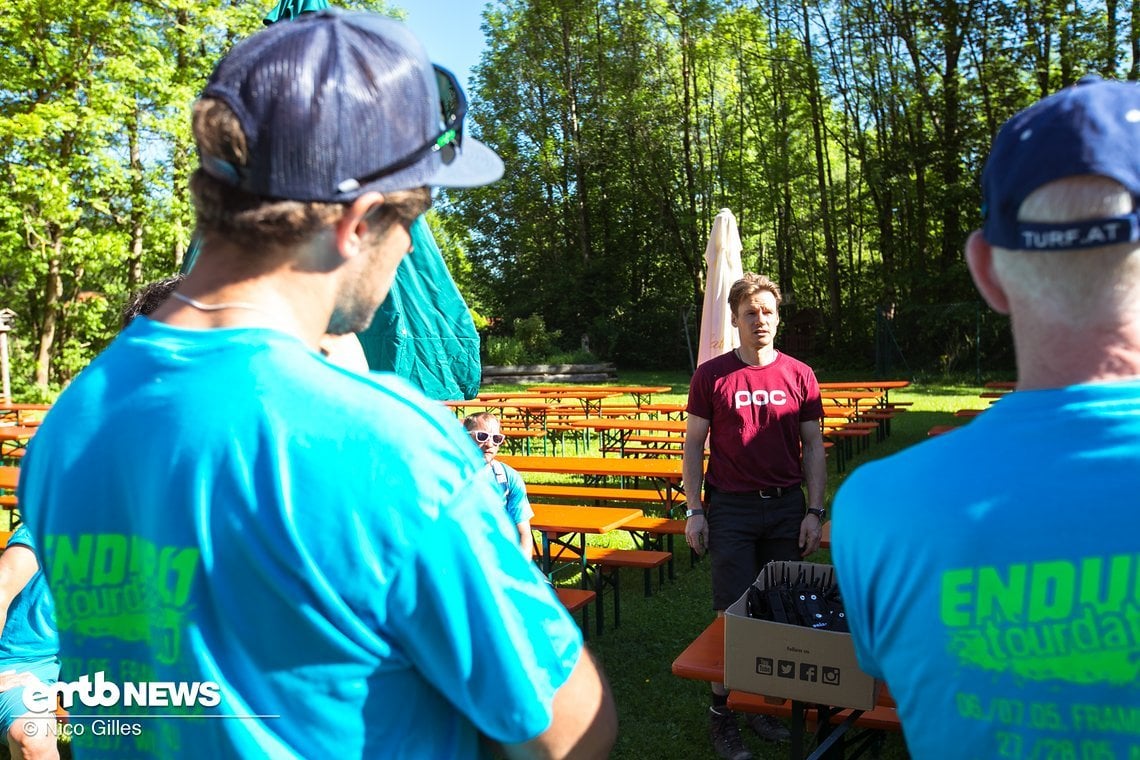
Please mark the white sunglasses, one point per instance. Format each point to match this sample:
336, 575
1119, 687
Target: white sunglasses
482, 436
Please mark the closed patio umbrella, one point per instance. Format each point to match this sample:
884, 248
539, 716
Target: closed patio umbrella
723, 267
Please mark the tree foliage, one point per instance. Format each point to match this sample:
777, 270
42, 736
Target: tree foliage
93, 160
847, 137
95, 155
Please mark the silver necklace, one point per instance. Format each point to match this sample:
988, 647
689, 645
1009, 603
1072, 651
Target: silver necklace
741, 358
758, 363
220, 306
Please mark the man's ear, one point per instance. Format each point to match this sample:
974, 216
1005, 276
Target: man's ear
354, 225
980, 261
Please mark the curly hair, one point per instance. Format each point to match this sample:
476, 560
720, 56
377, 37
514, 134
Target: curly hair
148, 298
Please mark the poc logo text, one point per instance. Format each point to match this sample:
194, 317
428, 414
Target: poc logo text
760, 398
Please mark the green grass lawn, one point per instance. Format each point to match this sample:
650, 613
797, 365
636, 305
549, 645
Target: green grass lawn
665, 717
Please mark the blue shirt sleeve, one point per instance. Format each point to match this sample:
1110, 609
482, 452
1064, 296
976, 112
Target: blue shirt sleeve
478, 621
21, 535
850, 553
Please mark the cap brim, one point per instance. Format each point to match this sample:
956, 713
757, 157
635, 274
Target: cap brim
474, 164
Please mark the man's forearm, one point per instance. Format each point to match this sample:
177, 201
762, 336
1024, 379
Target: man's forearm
692, 473
815, 474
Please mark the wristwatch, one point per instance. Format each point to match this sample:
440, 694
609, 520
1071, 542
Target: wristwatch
819, 512
691, 512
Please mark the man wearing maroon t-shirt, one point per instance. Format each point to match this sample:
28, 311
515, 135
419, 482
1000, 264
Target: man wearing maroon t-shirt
760, 410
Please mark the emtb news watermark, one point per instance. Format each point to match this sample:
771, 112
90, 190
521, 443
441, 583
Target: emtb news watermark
96, 691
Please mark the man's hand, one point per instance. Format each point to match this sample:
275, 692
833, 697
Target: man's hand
697, 534
810, 534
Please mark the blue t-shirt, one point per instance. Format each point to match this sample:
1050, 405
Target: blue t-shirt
29, 631
991, 576
226, 506
514, 491
29, 643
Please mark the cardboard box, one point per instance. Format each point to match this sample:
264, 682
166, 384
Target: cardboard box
792, 661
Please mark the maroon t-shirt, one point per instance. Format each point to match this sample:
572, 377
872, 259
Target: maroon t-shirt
754, 416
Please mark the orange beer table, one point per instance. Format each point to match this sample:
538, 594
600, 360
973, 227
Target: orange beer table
665, 472
667, 408
640, 393
615, 433
23, 414
13, 440
883, 386
554, 522
703, 660
531, 413
561, 525
9, 478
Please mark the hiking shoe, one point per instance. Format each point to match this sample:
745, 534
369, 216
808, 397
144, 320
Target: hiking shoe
726, 735
768, 728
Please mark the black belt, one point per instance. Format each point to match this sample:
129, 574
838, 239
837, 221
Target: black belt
774, 492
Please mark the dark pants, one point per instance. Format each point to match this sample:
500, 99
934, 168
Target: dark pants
746, 532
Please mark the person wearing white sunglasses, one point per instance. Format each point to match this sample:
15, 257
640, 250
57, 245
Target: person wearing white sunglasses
487, 433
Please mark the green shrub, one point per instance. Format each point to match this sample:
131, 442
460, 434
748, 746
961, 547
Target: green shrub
503, 350
530, 343
537, 341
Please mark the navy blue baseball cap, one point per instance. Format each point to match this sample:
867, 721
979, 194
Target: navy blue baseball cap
1090, 128
335, 104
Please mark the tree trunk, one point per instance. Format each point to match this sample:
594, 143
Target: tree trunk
573, 134
831, 250
954, 28
1109, 48
138, 206
53, 287
687, 121
1134, 72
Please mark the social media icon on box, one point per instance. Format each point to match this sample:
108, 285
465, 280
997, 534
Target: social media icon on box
830, 676
764, 666
786, 669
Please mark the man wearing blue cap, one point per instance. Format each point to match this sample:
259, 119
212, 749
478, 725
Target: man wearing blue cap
992, 575
316, 562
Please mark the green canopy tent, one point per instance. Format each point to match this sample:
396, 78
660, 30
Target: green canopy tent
291, 9
423, 331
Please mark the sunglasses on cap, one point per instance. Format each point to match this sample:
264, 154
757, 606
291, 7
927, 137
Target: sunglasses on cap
482, 436
452, 108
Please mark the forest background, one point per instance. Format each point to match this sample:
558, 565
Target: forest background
847, 137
